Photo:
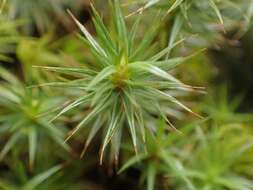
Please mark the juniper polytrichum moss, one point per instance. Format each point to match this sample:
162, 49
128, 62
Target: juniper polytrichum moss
24, 118
127, 85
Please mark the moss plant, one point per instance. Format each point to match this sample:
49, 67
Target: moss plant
224, 109
127, 85
216, 159
219, 158
24, 114
187, 17
42, 54
33, 183
117, 87
162, 160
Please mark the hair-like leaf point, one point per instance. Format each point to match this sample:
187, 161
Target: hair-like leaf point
87, 35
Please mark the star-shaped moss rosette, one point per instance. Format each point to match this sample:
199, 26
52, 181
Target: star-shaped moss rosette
212, 158
126, 86
24, 115
220, 158
203, 17
163, 159
42, 54
183, 7
224, 109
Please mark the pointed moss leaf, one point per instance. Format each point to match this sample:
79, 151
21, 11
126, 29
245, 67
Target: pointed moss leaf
6, 75
102, 31
96, 110
129, 93
145, 42
94, 129
120, 25
151, 174
67, 70
140, 123
175, 31
115, 118
101, 91
154, 70
166, 50
89, 37
131, 120
217, 11
37, 180
32, 138
178, 168
133, 34
132, 161
116, 142
147, 5
8, 95
10, 143
174, 100
164, 116
150, 3
55, 134
72, 105
175, 5
169, 64
102, 75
